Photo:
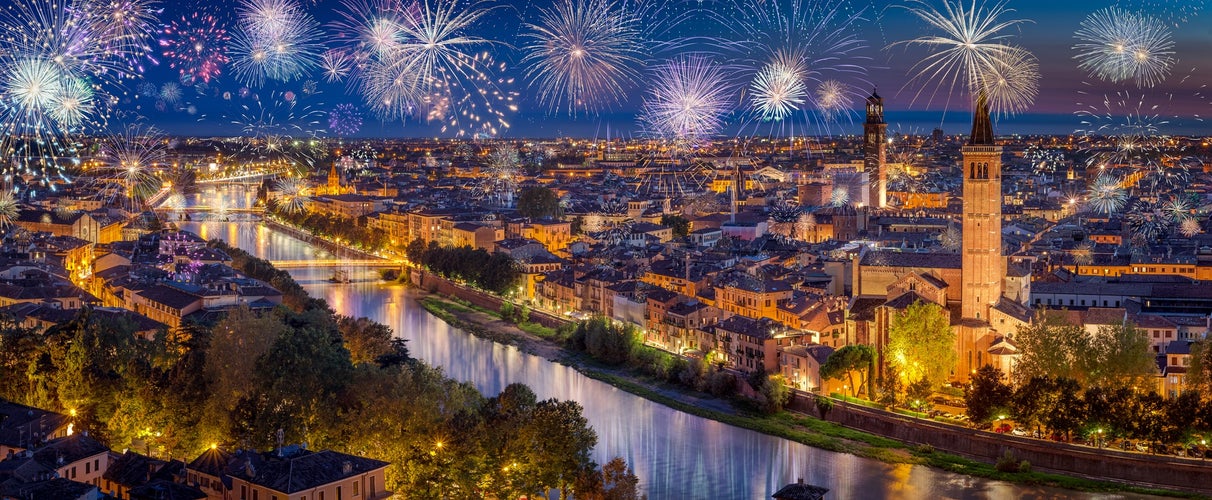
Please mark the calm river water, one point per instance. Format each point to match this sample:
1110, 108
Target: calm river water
675, 454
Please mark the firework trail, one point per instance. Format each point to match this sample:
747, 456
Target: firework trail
130, 161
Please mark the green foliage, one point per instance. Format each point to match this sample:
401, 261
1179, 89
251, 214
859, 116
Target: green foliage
352, 232
1114, 356
539, 202
823, 406
988, 395
366, 340
773, 389
335, 383
604, 341
615, 481
679, 224
918, 394
921, 343
1007, 462
494, 272
851, 359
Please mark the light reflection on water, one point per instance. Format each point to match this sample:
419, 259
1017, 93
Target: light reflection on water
675, 454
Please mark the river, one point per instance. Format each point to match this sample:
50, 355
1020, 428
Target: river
675, 454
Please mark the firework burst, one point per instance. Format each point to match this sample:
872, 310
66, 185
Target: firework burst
279, 131
293, 194
688, 100
779, 89
1011, 82
968, 50
418, 61
130, 162
1106, 195
1190, 227
583, 53
9, 209
1149, 221
335, 64
344, 120
196, 46
1116, 45
274, 40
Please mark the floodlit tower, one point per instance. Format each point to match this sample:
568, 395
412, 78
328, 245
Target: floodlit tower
875, 140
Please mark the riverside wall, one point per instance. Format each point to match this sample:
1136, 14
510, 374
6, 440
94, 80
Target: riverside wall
1098, 463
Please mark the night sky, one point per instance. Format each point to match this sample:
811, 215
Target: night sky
1064, 89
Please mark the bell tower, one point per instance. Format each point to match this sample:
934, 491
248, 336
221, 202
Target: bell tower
982, 265
875, 132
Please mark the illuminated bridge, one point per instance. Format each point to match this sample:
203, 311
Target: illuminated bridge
210, 209
299, 264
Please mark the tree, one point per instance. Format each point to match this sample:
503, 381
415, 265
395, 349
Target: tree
1049, 348
921, 343
236, 343
1119, 356
539, 202
615, 481
1031, 400
988, 395
1066, 412
366, 340
1199, 374
823, 406
679, 224
560, 441
848, 360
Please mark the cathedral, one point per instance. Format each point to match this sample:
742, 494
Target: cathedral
336, 184
973, 285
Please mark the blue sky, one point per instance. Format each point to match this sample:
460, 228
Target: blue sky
1064, 90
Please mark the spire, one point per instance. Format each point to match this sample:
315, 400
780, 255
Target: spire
982, 126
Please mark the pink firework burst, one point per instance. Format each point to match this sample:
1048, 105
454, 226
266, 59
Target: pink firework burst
196, 45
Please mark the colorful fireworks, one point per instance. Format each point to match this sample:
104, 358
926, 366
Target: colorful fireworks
344, 120
280, 131
779, 89
335, 65
1149, 221
1116, 45
688, 100
196, 46
582, 53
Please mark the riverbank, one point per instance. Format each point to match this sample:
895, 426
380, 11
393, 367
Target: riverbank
796, 427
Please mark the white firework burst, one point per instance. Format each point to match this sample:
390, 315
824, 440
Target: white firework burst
969, 44
582, 54
840, 197
293, 194
779, 89
9, 209
274, 40
130, 162
1190, 227
1011, 82
688, 100
1106, 195
335, 65
1116, 45
833, 98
